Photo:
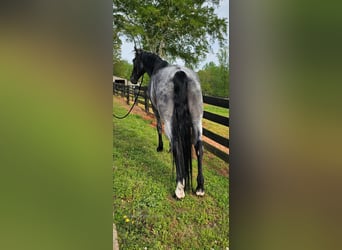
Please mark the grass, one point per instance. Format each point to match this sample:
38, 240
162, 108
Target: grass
216, 110
213, 126
145, 213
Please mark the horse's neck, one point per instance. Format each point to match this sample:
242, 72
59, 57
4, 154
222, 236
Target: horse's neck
161, 64
153, 63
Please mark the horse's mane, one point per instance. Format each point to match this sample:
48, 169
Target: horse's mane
152, 61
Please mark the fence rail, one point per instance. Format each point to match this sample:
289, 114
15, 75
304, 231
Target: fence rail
130, 91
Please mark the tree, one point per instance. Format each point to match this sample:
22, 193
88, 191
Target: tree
206, 76
116, 48
116, 44
171, 28
223, 71
215, 78
223, 57
122, 69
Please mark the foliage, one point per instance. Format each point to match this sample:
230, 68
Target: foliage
116, 44
216, 110
145, 214
213, 126
171, 28
215, 79
122, 68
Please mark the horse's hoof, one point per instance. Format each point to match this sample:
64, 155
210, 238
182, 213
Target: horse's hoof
199, 192
179, 192
159, 149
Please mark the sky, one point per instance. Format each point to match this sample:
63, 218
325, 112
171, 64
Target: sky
223, 11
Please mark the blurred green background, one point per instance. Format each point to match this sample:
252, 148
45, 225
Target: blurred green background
286, 122
56, 125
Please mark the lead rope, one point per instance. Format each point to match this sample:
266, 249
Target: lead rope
135, 101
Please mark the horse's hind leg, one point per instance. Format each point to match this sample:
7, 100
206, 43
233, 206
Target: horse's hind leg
159, 130
200, 178
197, 141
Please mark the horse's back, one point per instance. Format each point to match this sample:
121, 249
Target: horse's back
162, 81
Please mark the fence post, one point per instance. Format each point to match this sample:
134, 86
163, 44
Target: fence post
122, 88
115, 88
127, 94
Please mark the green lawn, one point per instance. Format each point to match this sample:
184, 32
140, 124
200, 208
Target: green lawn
145, 213
213, 126
216, 110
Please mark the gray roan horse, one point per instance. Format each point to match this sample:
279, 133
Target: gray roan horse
176, 97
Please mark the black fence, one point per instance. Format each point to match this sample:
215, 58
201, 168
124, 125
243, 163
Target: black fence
129, 92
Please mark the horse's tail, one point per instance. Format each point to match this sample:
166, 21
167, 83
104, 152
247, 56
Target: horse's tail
181, 130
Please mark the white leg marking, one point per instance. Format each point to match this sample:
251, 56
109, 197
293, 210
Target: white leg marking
200, 193
180, 190
167, 129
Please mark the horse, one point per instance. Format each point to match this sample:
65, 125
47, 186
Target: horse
176, 97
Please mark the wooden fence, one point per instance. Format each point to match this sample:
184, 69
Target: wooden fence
129, 92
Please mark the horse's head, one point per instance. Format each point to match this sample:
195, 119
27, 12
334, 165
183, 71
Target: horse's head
138, 66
